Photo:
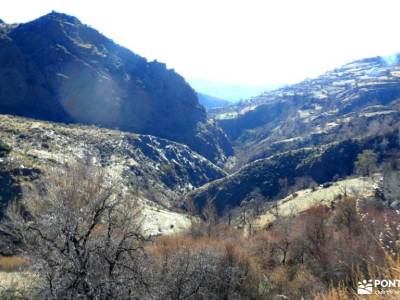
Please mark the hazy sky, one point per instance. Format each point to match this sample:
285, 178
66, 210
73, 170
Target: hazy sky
248, 42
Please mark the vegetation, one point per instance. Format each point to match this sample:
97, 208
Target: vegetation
8, 185
4, 149
83, 239
282, 174
13, 263
366, 162
96, 228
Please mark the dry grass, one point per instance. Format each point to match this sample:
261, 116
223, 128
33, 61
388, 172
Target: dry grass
339, 293
221, 239
13, 263
343, 240
390, 270
16, 283
308, 198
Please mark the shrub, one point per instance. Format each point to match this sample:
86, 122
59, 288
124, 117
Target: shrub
86, 245
366, 162
83, 240
4, 149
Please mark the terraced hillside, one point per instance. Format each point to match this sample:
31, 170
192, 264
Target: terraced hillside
359, 99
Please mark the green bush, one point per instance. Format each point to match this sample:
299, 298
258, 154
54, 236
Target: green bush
10, 293
4, 149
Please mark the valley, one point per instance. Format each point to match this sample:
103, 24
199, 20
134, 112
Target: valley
119, 181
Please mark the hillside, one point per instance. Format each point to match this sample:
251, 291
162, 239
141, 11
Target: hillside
302, 200
155, 170
359, 99
275, 176
55, 68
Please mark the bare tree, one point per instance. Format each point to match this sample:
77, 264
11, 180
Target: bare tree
191, 206
83, 239
190, 272
346, 215
256, 201
228, 214
210, 215
390, 184
183, 274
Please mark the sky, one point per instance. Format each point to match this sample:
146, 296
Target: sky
235, 42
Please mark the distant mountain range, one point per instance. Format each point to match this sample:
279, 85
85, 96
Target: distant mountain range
229, 91
56, 68
210, 102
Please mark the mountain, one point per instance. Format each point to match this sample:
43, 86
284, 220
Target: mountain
55, 68
210, 102
155, 170
308, 132
274, 177
359, 99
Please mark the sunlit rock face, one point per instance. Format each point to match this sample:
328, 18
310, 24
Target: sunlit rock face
56, 68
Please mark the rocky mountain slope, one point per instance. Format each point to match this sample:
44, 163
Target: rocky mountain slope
275, 176
155, 170
359, 99
55, 68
